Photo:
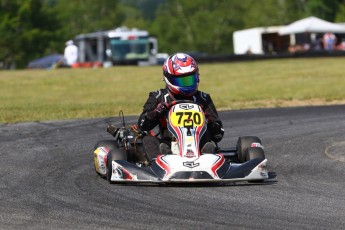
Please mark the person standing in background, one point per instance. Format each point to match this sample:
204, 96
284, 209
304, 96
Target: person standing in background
329, 40
71, 53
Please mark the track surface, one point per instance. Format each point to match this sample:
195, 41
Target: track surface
47, 179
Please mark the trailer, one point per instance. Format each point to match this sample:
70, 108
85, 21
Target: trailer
260, 40
121, 46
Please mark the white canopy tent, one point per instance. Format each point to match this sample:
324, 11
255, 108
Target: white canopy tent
306, 32
311, 25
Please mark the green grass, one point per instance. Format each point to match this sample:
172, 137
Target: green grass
33, 95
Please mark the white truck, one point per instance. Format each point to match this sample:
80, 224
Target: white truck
121, 46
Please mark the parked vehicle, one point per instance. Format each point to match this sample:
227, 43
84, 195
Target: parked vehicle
121, 46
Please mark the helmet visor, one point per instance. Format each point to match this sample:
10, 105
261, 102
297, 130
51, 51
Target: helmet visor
184, 81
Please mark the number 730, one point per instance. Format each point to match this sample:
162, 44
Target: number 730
187, 116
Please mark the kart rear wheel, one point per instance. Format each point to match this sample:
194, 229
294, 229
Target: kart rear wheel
114, 154
243, 143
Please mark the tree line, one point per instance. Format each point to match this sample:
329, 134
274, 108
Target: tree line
30, 29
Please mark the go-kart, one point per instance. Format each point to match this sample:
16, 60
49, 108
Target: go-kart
130, 157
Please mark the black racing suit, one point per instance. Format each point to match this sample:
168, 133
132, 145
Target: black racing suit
215, 129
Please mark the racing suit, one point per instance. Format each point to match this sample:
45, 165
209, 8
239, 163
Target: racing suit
215, 129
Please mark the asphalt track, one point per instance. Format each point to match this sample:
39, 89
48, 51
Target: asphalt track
47, 179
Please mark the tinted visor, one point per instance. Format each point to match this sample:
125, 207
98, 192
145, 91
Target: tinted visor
184, 81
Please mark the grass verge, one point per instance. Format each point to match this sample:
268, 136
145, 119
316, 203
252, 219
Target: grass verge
34, 95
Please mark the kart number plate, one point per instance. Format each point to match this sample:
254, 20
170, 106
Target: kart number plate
186, 118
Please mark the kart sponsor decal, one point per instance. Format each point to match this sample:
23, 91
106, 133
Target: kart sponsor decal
256, 145
117, 173
190, 153
120, 172
104, 163
186, 106
191, 164
104, 149
263, 170
262, 167
190, 139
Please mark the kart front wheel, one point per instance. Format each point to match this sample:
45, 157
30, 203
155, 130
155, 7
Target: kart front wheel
110, 144
114, 154
243, 143
253, 153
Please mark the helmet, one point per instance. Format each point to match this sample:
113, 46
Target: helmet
181, 74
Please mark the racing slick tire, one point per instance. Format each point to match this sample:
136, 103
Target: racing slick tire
110, 144
243, 143
114, 154
252, 153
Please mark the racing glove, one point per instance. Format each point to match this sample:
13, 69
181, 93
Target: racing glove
216, 131
161, 109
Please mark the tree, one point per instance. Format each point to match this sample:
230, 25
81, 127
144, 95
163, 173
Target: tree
26, 29
201, 25
325, 9
146, 8
267, 13
85, 16
340, 16
33, 28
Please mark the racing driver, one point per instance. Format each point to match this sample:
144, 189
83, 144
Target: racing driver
181, 77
